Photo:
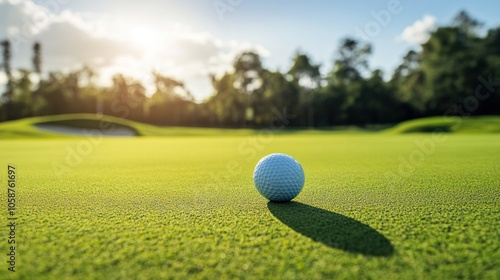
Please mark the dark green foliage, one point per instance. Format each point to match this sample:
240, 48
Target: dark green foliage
37, 58
482, 124
306, 77
8, 109
456, 72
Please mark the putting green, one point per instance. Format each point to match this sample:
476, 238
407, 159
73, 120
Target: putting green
373, 206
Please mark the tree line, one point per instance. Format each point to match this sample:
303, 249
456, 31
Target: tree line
455, 72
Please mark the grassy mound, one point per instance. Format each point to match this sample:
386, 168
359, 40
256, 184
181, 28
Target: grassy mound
490, 124
88, 124
29, 127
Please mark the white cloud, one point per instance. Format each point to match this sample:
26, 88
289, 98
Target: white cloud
186, 50
18, 14
419, 31
207, 51
113, 45
188, 58
65, 43
66, 39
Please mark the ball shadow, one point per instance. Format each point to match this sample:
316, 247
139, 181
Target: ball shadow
332, 229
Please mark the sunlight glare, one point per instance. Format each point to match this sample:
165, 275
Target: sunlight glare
145, 37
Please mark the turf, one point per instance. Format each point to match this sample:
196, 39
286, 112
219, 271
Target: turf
483, 124
26, 128
374, 206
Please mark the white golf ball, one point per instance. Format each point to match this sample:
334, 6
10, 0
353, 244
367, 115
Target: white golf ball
278, 177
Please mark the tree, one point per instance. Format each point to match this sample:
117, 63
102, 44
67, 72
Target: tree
171, 102
126, 98
466, 23
455, 66
248, 73
408, 83
352, 61
54, 98
37, 69
170, 88
307, 77
227, 105
90, 91
279, 94
22, 101
72, 86
451, 64
37, 58
345, 81
6, 55
491, 53
248, 69
377, 102
9, 91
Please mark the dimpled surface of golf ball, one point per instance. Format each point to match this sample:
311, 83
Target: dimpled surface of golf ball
278, 177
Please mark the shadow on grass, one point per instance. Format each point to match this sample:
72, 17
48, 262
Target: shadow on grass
332, 229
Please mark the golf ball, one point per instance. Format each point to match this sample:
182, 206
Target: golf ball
278, 177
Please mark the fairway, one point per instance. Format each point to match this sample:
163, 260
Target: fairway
185, 207
249, 140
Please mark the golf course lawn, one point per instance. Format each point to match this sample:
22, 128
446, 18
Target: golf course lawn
374, 206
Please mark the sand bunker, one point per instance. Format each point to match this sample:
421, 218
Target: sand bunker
64, 129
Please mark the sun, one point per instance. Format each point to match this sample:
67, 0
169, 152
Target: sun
145, 37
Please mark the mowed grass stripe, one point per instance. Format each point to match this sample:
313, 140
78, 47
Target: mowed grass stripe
150, 207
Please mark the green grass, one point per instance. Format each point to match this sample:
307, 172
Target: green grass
185, 207
25, 128
486, 124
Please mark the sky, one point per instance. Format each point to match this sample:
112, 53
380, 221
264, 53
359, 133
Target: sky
190, 39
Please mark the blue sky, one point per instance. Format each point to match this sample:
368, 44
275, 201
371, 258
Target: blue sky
189, 39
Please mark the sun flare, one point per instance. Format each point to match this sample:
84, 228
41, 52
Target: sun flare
145, 37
